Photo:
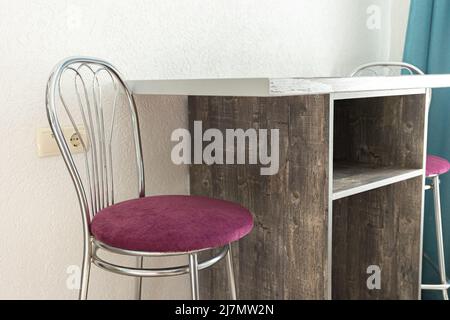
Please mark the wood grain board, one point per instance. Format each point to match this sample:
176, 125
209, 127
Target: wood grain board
380, 228
285, 257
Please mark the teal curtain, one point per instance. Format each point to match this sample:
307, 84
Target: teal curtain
428, 47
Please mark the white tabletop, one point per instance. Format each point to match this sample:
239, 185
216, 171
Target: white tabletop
265, 87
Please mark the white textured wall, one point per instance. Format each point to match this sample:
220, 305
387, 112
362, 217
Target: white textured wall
40, 233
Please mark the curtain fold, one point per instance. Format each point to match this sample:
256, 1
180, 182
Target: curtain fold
428, 47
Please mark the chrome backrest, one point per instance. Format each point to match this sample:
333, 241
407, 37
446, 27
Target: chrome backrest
376, 69
86, 79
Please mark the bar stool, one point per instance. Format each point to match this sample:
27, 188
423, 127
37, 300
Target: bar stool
156, 226
435, 167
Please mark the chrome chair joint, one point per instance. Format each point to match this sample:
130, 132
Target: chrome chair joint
153, 272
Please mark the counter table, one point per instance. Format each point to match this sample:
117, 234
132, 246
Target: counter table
349, 194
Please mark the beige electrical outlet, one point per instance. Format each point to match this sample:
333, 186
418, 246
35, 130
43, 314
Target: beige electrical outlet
46, 143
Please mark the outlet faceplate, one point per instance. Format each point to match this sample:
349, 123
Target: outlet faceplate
46, 143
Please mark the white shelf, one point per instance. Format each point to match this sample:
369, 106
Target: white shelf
351, 179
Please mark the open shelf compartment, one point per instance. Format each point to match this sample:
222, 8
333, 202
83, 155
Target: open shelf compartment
378, 141
377, 198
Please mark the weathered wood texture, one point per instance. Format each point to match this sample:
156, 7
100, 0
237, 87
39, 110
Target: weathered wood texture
382, 228
384, 131
285, 257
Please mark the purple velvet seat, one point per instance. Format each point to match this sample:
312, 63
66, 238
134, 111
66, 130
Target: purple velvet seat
171, 224
436, 166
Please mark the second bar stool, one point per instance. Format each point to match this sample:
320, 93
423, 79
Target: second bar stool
436, 167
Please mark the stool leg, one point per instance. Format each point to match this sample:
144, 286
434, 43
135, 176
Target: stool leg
230, 271
139, 286
85, 270
85, 274
439, 235
193, 272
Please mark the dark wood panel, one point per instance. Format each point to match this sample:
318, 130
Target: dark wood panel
382, 228
285, 257
383, 131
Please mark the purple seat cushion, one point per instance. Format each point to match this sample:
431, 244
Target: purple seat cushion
171, 224
436, 166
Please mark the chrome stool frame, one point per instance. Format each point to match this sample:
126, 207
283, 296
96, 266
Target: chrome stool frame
432, 185
96, 191
444, 285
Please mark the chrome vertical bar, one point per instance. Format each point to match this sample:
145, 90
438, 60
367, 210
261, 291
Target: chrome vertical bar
89, 177
439, 235
193, 272
110, 153
230, 271
140, 262
109, 141
93, 138
100, 178
86, 268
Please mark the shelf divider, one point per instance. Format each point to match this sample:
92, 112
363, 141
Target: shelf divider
350, 179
